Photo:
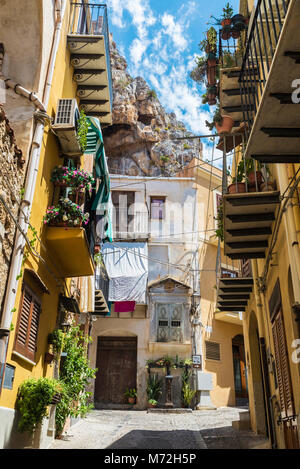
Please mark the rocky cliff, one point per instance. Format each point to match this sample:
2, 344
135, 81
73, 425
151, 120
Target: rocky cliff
141, 139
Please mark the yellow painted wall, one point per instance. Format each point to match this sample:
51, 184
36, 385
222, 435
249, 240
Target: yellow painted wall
62, 87
208, 181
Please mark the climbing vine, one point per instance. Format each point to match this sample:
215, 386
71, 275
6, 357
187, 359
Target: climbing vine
75, 375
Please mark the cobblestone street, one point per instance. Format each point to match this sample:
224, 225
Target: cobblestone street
115, 429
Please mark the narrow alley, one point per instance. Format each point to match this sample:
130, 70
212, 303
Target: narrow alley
116, 429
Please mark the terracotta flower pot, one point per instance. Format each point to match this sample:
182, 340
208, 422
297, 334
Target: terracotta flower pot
226, 126
251, 178
49, 357
226, 22
131, 400
211, 100
235, 33
235, 188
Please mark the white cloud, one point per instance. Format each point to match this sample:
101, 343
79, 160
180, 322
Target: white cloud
174, 30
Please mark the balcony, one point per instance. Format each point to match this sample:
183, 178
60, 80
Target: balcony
231, 53
249, 206
234, 286
270, 66
88, 42
129, 227
71, 251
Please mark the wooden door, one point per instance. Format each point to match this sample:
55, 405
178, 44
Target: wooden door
288, 417
117, 368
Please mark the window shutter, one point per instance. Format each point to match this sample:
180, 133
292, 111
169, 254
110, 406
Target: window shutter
176, 323
282, 367
163, 323
212, 351
28, 323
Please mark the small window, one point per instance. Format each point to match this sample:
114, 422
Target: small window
28, 323
212, 351
9, 376
157, 208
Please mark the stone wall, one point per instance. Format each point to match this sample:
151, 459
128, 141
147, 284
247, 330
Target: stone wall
142, 140
11, 182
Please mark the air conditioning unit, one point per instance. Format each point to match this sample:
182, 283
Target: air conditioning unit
65, 126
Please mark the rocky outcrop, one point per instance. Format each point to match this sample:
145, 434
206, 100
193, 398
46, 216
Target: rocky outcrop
141, 140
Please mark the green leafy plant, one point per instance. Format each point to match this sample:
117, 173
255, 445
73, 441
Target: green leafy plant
220, 228
75, 375
152, 402
131, 392
82, 130
187, 393
165, 158
227, 11
72, 177
56, 339
34, 397
198, 74
152, 94
154, 386
217, 117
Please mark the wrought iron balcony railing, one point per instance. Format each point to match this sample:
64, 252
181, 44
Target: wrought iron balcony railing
90, 19
264, 34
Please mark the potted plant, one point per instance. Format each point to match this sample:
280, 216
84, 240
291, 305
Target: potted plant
222, 123
49, 357
238, 184
187, 393
34, 397
72, 177
131, 395
152, 403
154, 386
56, 340
212, 37
67, 214
238, 22
226, 21
199, 72
253, 173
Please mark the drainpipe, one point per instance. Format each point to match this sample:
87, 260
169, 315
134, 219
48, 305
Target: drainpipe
30, 183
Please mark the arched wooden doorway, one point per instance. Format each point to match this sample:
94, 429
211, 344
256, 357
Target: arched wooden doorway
239, 370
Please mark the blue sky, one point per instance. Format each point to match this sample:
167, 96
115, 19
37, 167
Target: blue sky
159, 40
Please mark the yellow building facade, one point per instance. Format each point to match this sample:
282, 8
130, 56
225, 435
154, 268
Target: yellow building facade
261, 221
55, 264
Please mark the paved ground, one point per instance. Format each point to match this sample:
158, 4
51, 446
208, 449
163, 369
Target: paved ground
115, 429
